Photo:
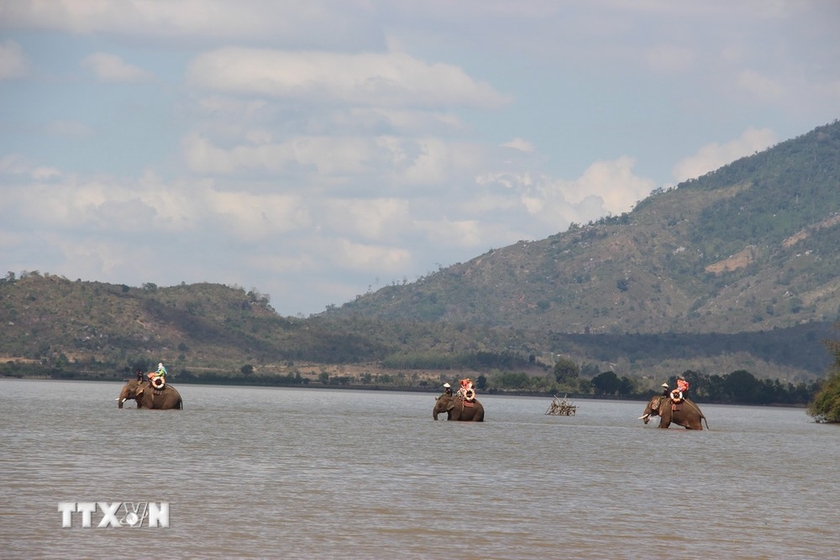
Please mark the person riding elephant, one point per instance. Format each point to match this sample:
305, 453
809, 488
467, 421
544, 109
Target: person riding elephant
147, 396
685, 413
158, 377
681, 392
457, 408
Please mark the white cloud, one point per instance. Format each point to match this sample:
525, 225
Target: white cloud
130, 17
323, 155
519, 144
605, 187
69, 129
300, 262
759, 86
432, 163
232, 106
45, 173
369, 79
13, 62
111, 68
322, 23
379, 219
669, 58
378, 119
336, 160
250, 217
259, 136
459, 233
76, 204
367, 257
16, 164
713, 156
614, 183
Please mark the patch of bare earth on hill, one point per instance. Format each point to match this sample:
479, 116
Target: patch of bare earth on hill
802, 234
734, 262
825, 291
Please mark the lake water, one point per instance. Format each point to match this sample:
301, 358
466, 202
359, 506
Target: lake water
319, 473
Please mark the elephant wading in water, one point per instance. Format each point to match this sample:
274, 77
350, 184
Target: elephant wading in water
150, 397
684, 413
456, 408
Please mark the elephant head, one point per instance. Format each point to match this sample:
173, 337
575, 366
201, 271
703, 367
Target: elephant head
130, 391
652, 408
443, 404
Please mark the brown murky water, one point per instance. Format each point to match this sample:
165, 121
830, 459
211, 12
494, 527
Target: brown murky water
312, 473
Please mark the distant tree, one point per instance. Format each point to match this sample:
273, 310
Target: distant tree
741, 386
606, 383
626, 386
511, 380
590, 370
826, 405
585, 386
247, 369
715, 389
565, 370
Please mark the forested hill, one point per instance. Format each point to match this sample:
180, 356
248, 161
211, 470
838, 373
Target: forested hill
752, 246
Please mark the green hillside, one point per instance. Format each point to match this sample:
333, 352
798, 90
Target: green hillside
749, 247
45, 317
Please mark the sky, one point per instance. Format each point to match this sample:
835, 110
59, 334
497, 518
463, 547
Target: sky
315, 151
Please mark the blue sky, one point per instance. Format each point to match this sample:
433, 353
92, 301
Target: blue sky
317, 150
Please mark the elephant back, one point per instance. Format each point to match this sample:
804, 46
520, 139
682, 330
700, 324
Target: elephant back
470, 403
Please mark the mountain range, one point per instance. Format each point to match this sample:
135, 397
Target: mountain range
737, 269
